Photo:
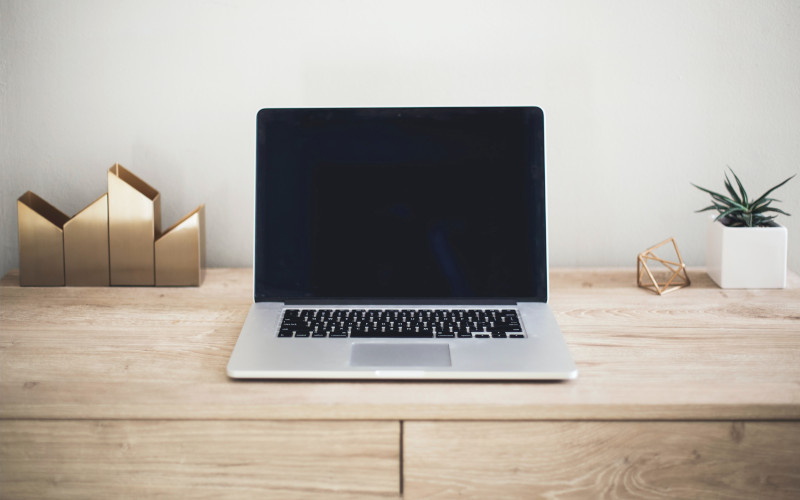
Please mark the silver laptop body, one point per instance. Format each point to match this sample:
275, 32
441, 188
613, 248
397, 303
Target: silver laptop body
401, 243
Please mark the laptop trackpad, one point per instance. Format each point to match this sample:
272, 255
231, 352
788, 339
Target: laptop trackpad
416, 355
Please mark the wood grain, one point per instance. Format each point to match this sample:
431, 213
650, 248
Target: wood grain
160, 353
199, 459
566, 460
115, 392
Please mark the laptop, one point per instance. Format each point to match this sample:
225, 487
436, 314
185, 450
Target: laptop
401, 243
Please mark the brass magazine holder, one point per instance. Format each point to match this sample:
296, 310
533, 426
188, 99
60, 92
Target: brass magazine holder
116, 240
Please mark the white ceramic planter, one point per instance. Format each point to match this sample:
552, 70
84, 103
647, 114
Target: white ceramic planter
746, 257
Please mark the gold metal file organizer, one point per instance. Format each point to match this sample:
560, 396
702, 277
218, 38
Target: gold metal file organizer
181, 251
116, 240
134, 223
41, 242
86, 246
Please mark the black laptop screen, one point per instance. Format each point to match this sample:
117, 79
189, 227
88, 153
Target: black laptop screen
421, 205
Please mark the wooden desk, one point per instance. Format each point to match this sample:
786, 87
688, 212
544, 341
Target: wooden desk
122, 392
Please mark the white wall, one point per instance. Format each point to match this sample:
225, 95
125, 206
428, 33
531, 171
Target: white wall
641, 97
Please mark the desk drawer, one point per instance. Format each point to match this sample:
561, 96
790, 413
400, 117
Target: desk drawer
207, 459
601, 460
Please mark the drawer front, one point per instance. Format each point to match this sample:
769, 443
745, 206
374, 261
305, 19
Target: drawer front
199, 459
582, 460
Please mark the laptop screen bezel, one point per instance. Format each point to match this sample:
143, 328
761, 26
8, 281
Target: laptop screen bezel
540, 225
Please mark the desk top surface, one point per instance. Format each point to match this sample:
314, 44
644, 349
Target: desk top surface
160, 353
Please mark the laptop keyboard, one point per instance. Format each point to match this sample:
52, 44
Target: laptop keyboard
401, 323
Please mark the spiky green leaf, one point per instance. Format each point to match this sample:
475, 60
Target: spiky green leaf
741, 188
726, 213
764, 203
763, 196
730, 189
721, 198
777, 210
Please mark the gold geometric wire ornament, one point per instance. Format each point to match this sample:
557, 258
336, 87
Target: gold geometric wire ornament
669, 276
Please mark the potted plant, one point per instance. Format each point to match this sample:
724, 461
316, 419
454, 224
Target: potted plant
745, 247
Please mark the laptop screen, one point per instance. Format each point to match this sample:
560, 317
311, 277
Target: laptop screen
400, 205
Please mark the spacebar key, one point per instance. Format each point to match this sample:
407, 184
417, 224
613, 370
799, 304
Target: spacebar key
390, 335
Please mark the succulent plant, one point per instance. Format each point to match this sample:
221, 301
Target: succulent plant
738, 210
